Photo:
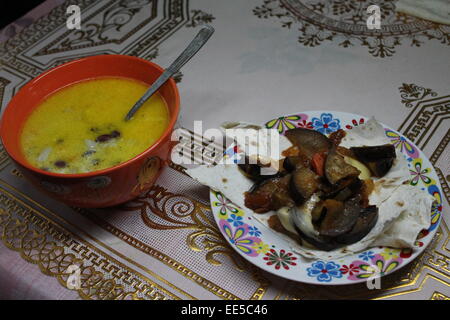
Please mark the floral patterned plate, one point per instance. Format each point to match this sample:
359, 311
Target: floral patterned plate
262, 247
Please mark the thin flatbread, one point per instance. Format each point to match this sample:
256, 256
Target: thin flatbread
403, 210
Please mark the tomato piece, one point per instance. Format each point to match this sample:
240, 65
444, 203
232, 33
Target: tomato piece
318, 163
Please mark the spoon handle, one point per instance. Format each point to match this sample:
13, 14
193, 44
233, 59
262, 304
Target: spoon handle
200, 39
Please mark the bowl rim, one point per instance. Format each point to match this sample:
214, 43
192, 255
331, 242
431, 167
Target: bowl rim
173, 119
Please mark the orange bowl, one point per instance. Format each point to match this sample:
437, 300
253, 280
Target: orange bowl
105, 187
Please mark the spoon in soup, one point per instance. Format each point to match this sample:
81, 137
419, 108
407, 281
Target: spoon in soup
200, 39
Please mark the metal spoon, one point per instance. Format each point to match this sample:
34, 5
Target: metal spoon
200, 39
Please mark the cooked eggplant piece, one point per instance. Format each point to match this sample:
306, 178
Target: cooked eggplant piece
339, 223
318, 242
278, 224
254, 170
343, 194
304, 227
303, 184
318, 213
364, 171
340, 217
336, 169
251, 171
378, 159
308, 141
366, 221
337, 136
269, 194
380, 167
365, 191
374, 153
344, 189
292, 162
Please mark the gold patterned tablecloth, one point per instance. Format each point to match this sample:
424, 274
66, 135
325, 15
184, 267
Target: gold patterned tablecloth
267, 58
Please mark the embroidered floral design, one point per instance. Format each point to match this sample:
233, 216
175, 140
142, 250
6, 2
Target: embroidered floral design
283, 123
345, 23
367, 255
326, 124
418, 173
235, 220
406, 253
402, 144
324, 271
115, 18
282, 259
389, 253
305, 124
261, 247
377, 267
355, 123
418, 244
423, 234
239, 238
411, 93
225, 206
350, 269
254, 231
199, 17
436, 207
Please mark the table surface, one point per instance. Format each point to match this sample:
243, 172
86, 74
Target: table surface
268, 58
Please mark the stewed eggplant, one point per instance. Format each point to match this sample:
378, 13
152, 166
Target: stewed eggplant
366, 221
338, 223
320, 189
325, 196
308, 141
318, 213
269, 194
318, 241
303, 184
344, 190
378, 159
290, 163
303, 225
336, 169
250, 170
258, 171
340, 217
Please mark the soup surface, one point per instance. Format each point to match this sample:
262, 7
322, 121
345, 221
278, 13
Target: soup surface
81, 128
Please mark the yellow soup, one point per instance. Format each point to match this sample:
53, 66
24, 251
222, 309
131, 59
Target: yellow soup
81, 128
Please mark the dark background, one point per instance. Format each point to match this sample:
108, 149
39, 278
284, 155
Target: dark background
11, 10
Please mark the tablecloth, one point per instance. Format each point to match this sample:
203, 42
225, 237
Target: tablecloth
267, 58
